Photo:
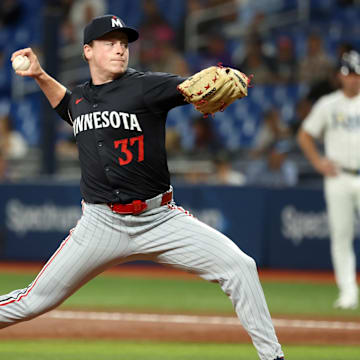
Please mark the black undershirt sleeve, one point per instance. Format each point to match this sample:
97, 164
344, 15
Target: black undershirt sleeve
63, 106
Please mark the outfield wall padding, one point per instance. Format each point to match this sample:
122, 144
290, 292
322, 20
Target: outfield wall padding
280, 228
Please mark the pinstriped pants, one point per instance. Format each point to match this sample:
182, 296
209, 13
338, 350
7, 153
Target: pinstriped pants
167, 235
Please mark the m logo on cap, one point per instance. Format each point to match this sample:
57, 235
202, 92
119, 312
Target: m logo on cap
116, 22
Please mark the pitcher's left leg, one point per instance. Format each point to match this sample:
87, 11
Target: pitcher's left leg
90, 248
188, 244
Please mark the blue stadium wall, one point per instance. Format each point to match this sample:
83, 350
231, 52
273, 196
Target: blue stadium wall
282, 228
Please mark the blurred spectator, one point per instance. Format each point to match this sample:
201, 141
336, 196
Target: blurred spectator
248, 10
13, 143
197, 175
12, 146
154, 33
66, 147
219, 23
224, 173
153, 24
331, 82
75, 15
10, 12
316, 65
323, 87
192, 8
169, 60
284, 63
173, 142
275, 169
251, 31
68, 34
214, 52
271, 130
80, 14
212, 24
205, 140
68, 31
256, 62
302, 109
3, 165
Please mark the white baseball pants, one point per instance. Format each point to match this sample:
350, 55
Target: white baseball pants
342, 194
167, 235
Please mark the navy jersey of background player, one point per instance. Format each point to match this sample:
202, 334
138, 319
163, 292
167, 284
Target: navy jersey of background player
120, 132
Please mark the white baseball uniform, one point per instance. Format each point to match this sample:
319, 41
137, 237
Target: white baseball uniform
337, 118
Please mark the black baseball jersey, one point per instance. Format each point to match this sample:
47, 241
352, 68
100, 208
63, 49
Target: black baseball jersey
120, 133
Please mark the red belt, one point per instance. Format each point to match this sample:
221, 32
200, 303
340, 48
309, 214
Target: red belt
137, 206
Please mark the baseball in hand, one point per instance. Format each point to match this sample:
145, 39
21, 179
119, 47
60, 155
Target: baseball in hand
21, 63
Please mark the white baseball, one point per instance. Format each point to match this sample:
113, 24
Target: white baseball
21, 63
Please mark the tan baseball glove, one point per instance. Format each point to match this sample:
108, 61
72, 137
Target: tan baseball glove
214, 88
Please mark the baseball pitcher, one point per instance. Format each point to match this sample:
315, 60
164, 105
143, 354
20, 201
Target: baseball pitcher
118, 119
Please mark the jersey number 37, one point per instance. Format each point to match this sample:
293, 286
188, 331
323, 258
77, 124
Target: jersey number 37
127, 154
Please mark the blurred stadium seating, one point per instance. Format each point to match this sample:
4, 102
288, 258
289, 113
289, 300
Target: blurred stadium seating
238, 125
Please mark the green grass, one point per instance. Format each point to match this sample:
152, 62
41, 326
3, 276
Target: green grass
120, 350
177, 295
137, 293
315, 300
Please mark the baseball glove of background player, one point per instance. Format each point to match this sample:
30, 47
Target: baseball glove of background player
214, 88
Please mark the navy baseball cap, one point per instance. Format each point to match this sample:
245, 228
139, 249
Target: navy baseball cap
102, 25
350, 63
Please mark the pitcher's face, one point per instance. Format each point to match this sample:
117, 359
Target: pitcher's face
108, 56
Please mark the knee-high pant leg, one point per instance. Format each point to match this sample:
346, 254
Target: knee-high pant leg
341, 206
89, 249
186, 243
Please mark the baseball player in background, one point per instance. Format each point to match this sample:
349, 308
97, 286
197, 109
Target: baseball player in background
118, 120
336, 117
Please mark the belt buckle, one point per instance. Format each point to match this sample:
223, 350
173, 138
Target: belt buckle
138, 206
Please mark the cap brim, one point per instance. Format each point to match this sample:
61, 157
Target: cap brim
132, 34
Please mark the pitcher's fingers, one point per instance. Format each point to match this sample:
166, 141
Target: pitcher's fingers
23, 73
24, 52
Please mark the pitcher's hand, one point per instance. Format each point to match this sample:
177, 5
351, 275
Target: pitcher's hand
35, 70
